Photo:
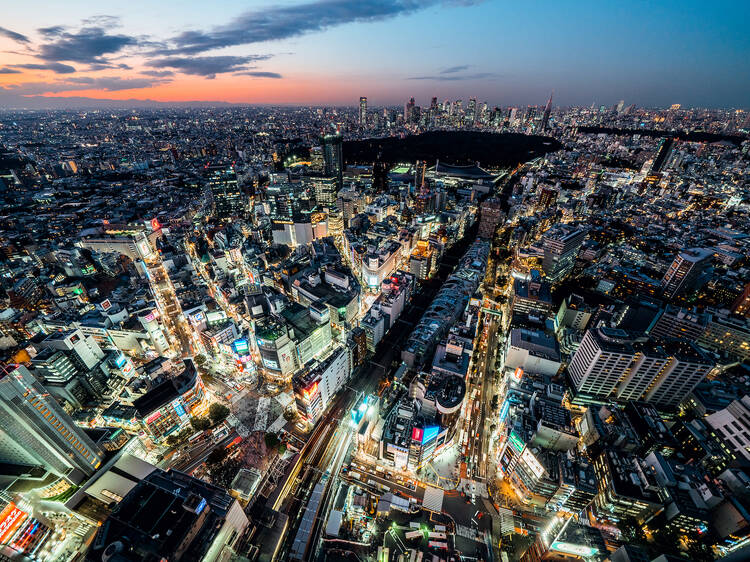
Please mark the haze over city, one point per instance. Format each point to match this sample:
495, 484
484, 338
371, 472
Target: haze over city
330, 51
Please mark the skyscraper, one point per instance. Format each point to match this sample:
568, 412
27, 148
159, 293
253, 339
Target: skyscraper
688, 271
490, 216
333, 157
325, 190
363, 111
35, 430
600, 362
228, 199
545, 116
561, 246
409, 111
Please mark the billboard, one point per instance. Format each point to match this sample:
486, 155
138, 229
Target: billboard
241, 347
516, 442
10, 519
416, 434
120, 361
429, 433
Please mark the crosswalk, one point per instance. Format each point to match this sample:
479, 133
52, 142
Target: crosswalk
507, 520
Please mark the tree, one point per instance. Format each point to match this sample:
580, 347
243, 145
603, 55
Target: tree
290, 414
217, 412
217, 455
495, 402
632, 531
200, 424
172, 440
271, 440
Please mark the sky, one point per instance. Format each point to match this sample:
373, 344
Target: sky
331, 52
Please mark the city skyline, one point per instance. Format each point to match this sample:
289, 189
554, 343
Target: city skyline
329, 52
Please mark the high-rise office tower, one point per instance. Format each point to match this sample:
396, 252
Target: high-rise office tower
547, 110
601, 361
561, 245
688, 271
363, 111
35, 430
547, 197
325, 190
409, 111
333, 157
228, 199
687, 367
491, 213
82, 350
665, 149
650, 360
471, 111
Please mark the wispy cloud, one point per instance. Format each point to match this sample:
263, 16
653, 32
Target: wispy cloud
457, 77
87, 45
9, 71
454, 69
282, 22
108, 83
207, 66
260, 74
56, 67
4, 32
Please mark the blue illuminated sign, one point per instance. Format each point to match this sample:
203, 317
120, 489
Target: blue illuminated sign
201, 506
430, 433
240, 347
504, 411
179, 409
120, 361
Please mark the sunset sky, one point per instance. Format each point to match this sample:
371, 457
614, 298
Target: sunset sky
333, 51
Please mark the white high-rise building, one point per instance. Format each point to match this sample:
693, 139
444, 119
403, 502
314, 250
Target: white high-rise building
687, 367
601, 361
82, 349
687, 271
561, 245
35, 430
732, 425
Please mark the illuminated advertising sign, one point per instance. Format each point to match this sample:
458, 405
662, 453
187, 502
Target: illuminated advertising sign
201, 506
150, 317
574, 549
241, 347
270, 364
10, 519
430, 433
516, 442
153, 417
106, 305
155, 224
310, 391
504, 411
179, 409
518, 374
530, 460
416, 434
120, 361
